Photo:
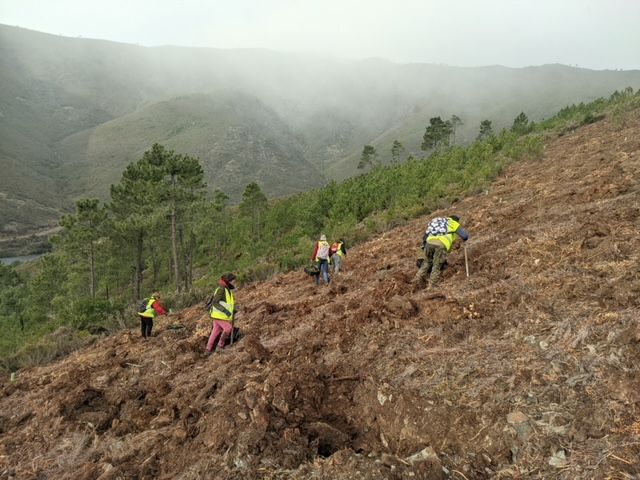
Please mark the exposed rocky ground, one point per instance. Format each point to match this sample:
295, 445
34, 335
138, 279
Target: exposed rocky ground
528, 368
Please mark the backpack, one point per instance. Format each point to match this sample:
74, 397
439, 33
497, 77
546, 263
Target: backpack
312, 270
437, 226
143, 305
208, 303
335, 246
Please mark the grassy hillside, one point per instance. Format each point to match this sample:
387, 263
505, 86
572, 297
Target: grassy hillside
235, 136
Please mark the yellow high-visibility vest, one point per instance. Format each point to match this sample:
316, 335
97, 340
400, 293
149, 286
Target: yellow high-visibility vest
228, 303
447, 239
150, 311
339, 250
323, 248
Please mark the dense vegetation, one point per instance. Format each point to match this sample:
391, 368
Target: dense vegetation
158, 231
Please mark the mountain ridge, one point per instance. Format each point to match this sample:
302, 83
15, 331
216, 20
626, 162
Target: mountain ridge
57, 87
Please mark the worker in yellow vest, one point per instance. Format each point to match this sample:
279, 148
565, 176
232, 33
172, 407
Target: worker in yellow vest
437, 241
148, 310
337, 251
221, 310
321, 257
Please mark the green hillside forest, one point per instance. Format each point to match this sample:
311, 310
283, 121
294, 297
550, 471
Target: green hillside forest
75, 112
160, 228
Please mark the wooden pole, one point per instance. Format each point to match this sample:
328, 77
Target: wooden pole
466, 261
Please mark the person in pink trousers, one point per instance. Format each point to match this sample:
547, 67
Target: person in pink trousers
222, 309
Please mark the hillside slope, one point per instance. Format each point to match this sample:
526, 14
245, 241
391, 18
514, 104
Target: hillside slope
234, 135
526, 369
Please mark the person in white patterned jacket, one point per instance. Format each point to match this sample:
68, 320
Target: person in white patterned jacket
437, 241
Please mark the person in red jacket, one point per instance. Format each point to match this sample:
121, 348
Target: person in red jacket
153, 308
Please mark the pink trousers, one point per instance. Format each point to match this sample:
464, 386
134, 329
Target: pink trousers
218, 326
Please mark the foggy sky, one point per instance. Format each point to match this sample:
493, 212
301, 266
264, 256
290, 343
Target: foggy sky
596, 34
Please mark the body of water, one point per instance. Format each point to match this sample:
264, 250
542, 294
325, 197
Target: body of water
25, 258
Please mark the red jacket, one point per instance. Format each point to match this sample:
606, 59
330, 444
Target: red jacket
158, 308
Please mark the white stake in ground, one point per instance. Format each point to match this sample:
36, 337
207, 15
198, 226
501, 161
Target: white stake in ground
466, 262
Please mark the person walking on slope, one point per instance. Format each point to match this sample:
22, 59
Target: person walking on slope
152, 308
437, 241
321, 257
337, 251
222, 311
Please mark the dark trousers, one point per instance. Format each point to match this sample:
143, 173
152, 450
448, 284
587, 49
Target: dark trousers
146, 324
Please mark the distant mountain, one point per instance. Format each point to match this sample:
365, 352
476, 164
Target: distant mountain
235, 136
74, 112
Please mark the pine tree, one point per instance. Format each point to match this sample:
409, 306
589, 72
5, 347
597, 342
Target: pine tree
46, 287
219, 218
181, 184
455, 122
368, 157
397, 149
135, 209
437, 134
253, 207
12, 295
520, 124
486, 130
161, 185
82, 231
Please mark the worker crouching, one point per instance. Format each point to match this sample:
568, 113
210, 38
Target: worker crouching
437, 241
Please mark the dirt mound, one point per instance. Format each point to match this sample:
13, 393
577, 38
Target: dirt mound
526, 369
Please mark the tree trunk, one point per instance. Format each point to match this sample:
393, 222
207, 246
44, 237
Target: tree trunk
174, 245
174, 248
138, 279
187, 256
92, 268
154, 263
192, 247
185, 263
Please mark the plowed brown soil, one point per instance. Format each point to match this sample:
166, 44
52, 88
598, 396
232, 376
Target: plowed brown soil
526, 369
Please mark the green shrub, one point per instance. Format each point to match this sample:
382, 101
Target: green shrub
85, 313
261, 270
591, 118
184, 299
46, 349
